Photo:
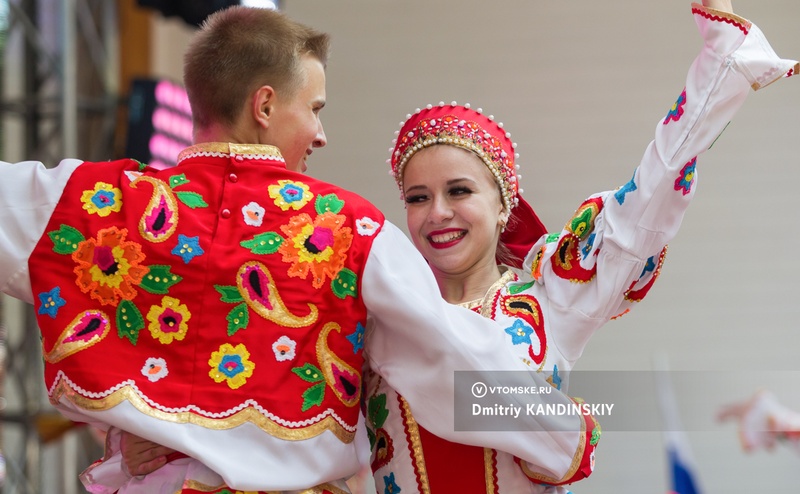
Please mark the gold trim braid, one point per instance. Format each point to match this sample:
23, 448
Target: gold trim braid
249, 414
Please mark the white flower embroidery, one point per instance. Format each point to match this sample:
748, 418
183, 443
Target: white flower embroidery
253, 214
284, 348
367, 226
155, 369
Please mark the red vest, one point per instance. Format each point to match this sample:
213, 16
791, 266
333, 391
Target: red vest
221, 291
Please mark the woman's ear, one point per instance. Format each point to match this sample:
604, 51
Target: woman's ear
502, 220
263, 102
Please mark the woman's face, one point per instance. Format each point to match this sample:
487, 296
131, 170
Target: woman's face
453, 208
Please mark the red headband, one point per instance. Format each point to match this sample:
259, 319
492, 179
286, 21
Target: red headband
460, 126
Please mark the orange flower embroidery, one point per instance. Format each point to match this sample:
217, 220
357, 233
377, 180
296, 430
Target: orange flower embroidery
319, 246
109, 267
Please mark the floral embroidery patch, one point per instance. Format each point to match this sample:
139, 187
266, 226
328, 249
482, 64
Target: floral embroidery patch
526, 308
391, 485
520, 333
345, 284
620, 194
169, 321
555, 379
103, 200
289, 194
188, 248
343, 379
232, 365
86, 330
676, 112
256, 289
284, 348
314, 395
653, 268
318, 246
253, 214
50, 302
587, 248
367, 227
383, 449
686, 177
160, 217
109, 267
155, 369
357, 338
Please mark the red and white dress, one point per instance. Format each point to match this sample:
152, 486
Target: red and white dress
603, 261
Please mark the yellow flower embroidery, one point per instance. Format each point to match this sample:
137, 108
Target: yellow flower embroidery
103, 200
290, 194
231, 364
169, 321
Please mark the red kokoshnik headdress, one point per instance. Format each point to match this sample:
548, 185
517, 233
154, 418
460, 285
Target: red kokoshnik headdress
463, 127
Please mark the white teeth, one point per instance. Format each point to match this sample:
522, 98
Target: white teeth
446, 237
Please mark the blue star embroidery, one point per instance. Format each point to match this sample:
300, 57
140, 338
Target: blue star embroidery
556, 378
628, 187
649, 266
520, 332
188, 248
51, 302
589, 244
357, 338
391, 485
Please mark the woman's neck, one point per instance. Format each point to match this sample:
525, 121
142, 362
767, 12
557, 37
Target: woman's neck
458, 288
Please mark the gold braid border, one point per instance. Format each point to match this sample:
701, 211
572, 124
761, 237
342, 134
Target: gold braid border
249, 414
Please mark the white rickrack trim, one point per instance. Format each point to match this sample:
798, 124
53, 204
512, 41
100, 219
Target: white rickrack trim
220, 154
193, 408
262, 157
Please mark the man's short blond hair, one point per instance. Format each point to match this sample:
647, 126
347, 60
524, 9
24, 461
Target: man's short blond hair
240, 49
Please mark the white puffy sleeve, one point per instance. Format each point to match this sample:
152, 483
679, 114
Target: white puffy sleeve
29, 193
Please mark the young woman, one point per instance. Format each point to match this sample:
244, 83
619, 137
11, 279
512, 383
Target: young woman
456, 171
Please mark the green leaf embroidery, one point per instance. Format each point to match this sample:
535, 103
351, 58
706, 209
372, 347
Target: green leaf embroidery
230, 294
515, 289
129, 321
263, 243
345, 284
66, 239
159, 280
177, 180
551, 237
328, 204
309, 373
313, 396
377, 411
237, 318
191, 199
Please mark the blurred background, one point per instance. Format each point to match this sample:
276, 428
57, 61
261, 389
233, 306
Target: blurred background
580, 86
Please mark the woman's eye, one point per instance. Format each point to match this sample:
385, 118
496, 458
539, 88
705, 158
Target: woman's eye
460, 191
415, 198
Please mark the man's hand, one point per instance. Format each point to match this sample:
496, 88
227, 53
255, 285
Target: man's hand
721, 5
141, 456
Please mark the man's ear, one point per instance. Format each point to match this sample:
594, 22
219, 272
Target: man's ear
263, 103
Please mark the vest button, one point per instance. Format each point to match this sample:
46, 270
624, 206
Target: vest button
225, 213
233, 178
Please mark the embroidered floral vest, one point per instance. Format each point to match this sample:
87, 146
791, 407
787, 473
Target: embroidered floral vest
221, 291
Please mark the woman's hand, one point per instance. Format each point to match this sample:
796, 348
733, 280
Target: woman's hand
141, 456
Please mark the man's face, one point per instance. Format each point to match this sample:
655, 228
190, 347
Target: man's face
295, 127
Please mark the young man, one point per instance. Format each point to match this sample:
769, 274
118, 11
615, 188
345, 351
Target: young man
225, 308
